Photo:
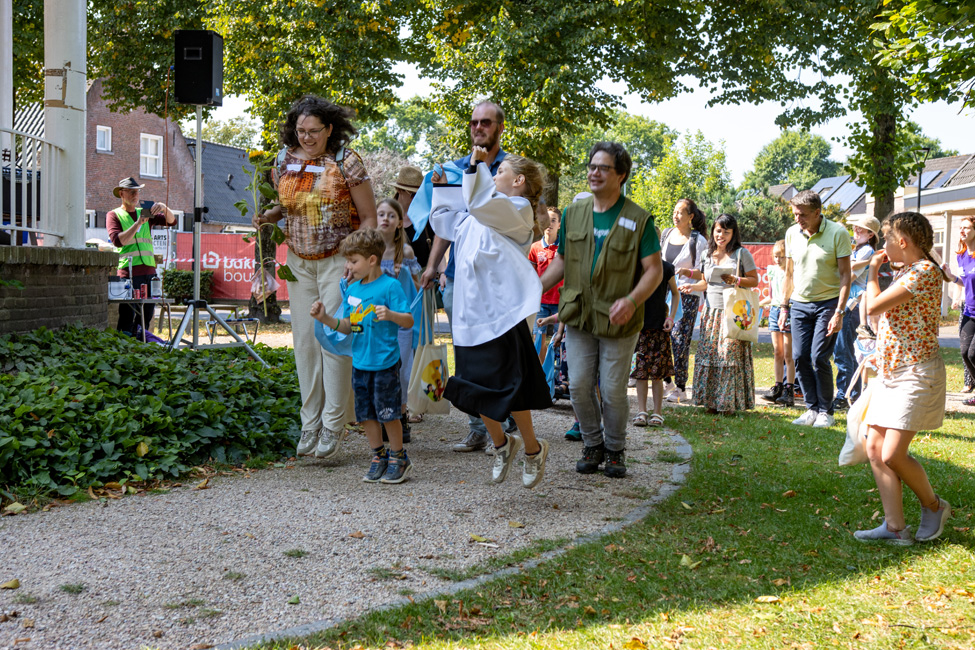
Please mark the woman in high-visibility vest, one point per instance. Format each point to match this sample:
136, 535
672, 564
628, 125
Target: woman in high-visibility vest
129, 229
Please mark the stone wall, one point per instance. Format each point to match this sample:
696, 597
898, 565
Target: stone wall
62, 286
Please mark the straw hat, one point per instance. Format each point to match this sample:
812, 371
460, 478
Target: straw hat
409, 179
126, 184
865, 221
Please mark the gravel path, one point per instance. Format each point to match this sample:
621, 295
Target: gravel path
198, 567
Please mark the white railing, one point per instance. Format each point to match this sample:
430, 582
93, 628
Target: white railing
31, 169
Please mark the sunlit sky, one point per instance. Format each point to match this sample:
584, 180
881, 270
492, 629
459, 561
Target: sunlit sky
745, 129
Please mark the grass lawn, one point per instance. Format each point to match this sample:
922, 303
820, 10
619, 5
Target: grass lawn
756, 551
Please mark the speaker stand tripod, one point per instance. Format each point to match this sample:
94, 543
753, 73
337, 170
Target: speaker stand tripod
196, 306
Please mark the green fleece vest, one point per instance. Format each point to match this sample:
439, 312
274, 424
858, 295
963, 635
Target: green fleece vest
586, 299
140, 250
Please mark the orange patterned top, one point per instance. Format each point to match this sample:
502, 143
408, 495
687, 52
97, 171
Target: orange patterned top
318, 207
908, 333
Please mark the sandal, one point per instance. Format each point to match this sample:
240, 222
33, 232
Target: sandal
414, 418
641, 419
656, 420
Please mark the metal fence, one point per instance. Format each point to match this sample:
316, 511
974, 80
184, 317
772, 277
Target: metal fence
31, 174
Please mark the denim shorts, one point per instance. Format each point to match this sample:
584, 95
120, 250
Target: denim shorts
773, 321
377, 394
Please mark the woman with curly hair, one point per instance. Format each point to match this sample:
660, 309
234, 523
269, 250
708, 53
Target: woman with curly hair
325, 194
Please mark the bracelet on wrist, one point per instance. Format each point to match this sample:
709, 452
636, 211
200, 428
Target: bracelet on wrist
630, 298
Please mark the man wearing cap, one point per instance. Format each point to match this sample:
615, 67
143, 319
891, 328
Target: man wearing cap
866, 229
129, 229
817, 281
407, 184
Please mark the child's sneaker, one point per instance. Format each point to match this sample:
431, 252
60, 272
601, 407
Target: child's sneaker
397, 467
881, 534
535, 466
504, 456
933, 523
575, 433
378, 467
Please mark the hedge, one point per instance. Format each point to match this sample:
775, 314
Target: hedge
178, 285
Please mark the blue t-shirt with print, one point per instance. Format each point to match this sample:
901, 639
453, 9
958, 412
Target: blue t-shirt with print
374, 344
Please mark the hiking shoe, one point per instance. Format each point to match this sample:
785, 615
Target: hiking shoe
397, 467
534, 468
509, 425
806, 419
592, 458
307, 444
615, 464
841, 404
328, 443
475, 441
773, 393
574, 433
788, 397
504, 456
933, 523
824, 421
378, 467
881, 534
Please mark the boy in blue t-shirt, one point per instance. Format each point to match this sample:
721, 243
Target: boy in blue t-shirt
375, 308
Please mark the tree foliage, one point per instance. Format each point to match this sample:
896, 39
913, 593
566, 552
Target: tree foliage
235, 132
692, 167
796, 157
28, 51
411, 130
932, 43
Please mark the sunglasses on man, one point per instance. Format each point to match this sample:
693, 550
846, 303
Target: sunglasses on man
484, 122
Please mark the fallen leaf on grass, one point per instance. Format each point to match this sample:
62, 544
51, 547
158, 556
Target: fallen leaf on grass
13, 584
441, 605
15, 508
788, 494
112, 485
767, 599
635, 643
357, 534
478, 538
686, 505
609, 548
590, 610
28, 623
779, 582
203, 485
515, 524
686, 560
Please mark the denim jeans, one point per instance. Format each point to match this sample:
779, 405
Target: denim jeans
812, 349
476, 424
544, 311
611, 358
846, 361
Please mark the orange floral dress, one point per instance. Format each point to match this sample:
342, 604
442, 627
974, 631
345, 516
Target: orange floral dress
908, 333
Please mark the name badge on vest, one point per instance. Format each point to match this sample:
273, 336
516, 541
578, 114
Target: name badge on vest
629, 224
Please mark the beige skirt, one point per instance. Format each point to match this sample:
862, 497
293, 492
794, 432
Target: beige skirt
912, 399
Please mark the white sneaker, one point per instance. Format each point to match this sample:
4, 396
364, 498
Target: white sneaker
824, 421
676, 395
307, 444
328, 443
806, 419
504, 456
535, 466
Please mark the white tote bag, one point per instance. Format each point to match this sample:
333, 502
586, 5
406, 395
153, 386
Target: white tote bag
854, 452
740, 312
429, 375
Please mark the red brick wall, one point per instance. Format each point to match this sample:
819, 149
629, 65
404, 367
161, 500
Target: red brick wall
104, 170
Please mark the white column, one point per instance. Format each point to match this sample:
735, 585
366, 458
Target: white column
6, 70
949, 253
65, 113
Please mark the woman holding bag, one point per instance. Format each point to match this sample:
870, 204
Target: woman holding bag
724, 380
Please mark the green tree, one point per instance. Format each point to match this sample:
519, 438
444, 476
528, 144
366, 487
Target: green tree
28, 51
762, 218
693, 168
410, 129
236, 132
796, 157
914, 138
933, 43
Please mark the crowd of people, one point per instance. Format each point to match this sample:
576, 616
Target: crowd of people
619, 298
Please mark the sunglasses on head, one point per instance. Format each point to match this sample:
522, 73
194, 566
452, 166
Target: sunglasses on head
485, 122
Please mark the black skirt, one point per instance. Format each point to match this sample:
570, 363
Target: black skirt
499, 377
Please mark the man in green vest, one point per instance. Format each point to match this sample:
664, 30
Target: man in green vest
609, 258
129, 230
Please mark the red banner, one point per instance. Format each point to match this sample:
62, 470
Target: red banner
762, 253
232, 261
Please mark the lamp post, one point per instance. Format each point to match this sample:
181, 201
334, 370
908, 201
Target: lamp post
918, 160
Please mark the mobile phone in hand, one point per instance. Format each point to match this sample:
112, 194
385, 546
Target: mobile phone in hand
146, 207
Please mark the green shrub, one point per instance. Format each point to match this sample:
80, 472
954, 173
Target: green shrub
178, 285
81, 407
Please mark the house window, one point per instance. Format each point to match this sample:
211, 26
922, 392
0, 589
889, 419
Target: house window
939, 243
90, 217
150, 155
103, 139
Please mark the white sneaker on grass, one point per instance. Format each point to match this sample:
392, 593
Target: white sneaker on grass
676, 395
824, 421
806, 419
535, 466
308, 442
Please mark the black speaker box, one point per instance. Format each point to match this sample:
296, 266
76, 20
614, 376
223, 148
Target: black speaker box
199, 67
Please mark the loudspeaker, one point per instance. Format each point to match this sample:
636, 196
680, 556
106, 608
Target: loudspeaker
199, 67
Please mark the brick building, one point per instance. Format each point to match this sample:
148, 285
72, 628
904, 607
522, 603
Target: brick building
137, 144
